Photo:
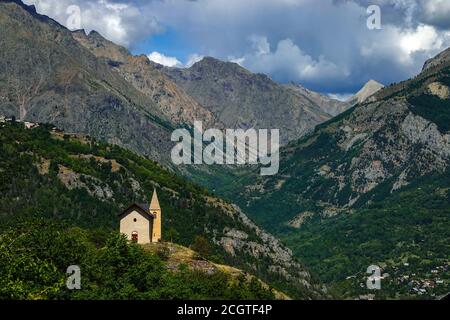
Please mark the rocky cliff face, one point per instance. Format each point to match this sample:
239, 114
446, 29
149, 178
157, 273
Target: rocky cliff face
172, 101
238, 241
241, 99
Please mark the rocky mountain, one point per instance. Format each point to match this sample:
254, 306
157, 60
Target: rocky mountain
368, 163
86, 84
172, 101
241, 99
93, 181
47, 76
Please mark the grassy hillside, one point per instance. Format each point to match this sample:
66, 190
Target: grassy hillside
75, 179
178, 257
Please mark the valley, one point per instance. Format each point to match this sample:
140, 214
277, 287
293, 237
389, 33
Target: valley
85, 130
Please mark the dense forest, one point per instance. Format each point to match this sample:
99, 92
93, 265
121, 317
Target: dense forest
47, 174
34, 258
407, 234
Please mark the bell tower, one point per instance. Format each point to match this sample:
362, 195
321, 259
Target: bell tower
155, 210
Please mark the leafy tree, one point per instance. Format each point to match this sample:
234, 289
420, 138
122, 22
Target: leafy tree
171, 234
201, 246
34, 257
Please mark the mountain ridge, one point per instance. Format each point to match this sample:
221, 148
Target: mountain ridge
241, 99
173, 102
441, 58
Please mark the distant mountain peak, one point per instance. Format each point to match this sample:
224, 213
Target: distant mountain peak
207, 61
214, 64
327, 104
96, 35
80, 31
372, 82
369, 89
241, 99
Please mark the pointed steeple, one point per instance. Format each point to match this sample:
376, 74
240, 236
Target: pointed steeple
155, 210
154, 205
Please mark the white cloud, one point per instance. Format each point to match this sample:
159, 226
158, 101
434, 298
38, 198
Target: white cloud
240, 61
260, 45
423, 38
289, 59
122, 22
192, 59
164, 60
173, 61
341, 96
403, 45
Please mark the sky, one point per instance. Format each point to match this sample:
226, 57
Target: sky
324, 45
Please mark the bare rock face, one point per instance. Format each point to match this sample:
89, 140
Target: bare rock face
172, 101
93, 186
440, 90
268, 248
421, 131
298, 220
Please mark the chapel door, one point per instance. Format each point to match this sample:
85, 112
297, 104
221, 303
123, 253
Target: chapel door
134, 237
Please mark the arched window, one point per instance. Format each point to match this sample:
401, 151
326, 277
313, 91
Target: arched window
134, 237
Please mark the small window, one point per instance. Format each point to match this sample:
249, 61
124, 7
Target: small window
135, 220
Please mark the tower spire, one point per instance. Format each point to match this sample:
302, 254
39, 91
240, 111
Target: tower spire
155, 210
154, 204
